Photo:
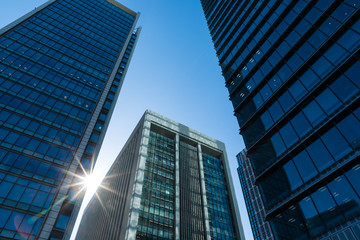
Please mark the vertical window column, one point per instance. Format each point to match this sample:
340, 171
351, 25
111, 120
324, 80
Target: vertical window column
203, 191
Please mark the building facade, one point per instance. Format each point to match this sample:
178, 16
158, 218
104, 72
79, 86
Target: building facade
61, 69
168, 182
292, 71
254, 204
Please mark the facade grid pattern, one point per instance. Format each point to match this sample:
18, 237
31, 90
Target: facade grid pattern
291, 69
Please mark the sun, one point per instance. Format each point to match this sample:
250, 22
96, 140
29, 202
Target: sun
91, 183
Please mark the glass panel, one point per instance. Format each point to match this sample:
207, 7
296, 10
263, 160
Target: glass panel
276, 111
312, 218
278, 144
4, 215
314, 113
354, 177
320, 156
288, 134
328, 101
301, 124
305, 166
344, 89
345, 197
292, 175
336, 143
62, 221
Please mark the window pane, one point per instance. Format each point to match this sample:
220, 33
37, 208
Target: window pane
301, 124
4, 215
328, 101
305, 166
292, 175
314, 113
286, 101
311, 216
345, 196
323, 200
336, 143
350, 128
354, 177
62, 221
320, 156
278, 144
344, 89
288, 134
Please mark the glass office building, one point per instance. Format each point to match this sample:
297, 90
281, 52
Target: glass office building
253, 200
168, 182
292, 71
61, 70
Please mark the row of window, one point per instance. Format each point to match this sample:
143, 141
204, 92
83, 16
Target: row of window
236, 15
35, 147
16, 225
33, 128
334, 21
220, 216
324, 104
70, 35
322, 210
60, 85
245, 30
109, 35
332, 146
32, 42
338, 51
109, 11
52, 59
24, 194
157, 194
42, 115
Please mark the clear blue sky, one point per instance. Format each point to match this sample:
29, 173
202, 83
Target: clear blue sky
174, 71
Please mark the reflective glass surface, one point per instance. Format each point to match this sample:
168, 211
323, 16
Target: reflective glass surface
54, 66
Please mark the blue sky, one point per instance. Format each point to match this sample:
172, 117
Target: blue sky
174, 71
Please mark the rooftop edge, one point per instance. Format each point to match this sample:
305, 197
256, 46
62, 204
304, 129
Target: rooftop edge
122, 7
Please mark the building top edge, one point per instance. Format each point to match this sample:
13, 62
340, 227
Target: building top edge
184, 130
122, 7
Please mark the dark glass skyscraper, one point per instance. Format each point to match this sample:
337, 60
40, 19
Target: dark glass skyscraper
61, 70
292, 71
168, 182
253, 200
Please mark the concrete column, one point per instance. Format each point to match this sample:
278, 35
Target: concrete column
203, 193
177, 187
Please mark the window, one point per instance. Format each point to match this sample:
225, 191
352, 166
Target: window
354, 177
350, 128
286, 101
314, 113
320, 156
276, 111
336, 143
4, 216
322, 67
297, 90
292, 175
344, 195
305, 166
301, 124
328, 101
344, 89
288, 135
278, 144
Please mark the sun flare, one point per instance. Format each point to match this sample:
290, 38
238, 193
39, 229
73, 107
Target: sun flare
91, 182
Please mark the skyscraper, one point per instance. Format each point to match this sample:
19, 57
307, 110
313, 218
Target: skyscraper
61, 69
292, 71
254, 203
168, 182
